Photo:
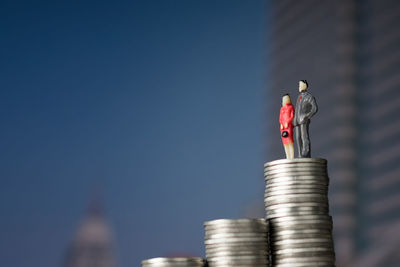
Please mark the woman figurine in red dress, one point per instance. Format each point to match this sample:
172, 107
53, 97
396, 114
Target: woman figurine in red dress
285, 119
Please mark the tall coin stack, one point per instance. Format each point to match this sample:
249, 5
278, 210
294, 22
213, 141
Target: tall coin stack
174, 262
297, 209
236, 242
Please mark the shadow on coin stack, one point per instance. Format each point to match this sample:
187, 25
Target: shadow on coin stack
297, 209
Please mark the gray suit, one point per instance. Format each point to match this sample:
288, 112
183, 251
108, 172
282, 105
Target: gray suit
306, 107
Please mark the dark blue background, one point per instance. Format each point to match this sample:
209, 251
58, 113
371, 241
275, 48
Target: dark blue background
158, 102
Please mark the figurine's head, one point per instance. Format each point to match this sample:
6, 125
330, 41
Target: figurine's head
303, 85
286, 100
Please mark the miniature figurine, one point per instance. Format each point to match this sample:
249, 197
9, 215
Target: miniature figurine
285, 119
306, 107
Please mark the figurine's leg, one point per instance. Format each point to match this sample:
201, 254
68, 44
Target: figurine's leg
291, 151
305, 152
287, 152
298, 140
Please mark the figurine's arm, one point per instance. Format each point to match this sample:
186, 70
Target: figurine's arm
281, 119
294, 118
314, 107
291, 115
310, 108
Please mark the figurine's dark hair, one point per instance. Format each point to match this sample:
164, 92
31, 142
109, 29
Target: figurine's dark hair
285, 95
305, 81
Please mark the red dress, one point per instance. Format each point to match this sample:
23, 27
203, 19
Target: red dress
286, 116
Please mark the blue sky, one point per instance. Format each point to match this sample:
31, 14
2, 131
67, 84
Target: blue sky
159, 102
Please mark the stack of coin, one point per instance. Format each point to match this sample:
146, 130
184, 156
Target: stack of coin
174, 262
238, 242
297, 209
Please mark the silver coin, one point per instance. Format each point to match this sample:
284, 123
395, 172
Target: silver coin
294, 166
177, 261
209, 233
304, 264
294, 161
277, 236
296, 180
308, 254
300, 250
304, 192
229, 260
309, 222
305, 184
279, 200
275, 231
306, 179
237, 265
235, 250
328, 238
253, 251
295, 191
172, 264
235, 222
301, 211
249, 247
217, 253
302, 218
313, 204
239, 257
234, 240
233, 235
276, 204
296, 197
272, 215
297, 177
295, 170
304, 246
239, 246
237, 260
300, 241
267, 165
295, 186
301, 233
327, 258
234, 227
294, 175
297, 211
327, 245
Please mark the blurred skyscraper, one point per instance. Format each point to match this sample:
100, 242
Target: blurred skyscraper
349, 52
93, 242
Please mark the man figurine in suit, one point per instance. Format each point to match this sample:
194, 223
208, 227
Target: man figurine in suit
306, 107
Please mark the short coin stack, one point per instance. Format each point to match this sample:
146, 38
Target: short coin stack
297, 208
237, 242
174, 262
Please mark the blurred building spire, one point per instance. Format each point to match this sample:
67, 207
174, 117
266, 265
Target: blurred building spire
96, 202
93, 243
